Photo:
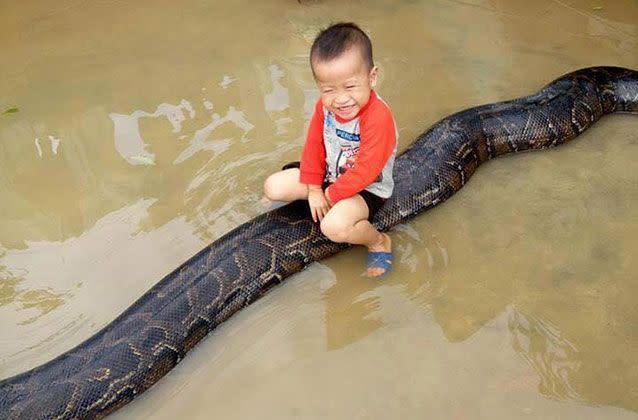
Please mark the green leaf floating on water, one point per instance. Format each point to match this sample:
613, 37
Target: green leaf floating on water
10, 111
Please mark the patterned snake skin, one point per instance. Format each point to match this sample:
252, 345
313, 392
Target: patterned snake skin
146, 341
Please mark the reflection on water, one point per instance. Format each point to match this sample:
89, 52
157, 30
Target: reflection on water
128, 141
351, 309
146, 131
277, 99
55, 143
91, 273
552, 356
42, 301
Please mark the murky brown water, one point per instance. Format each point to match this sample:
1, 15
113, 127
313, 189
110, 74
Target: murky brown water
144, 131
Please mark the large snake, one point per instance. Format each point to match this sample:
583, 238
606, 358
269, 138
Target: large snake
146, 341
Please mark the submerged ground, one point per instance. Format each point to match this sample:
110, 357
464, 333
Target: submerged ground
131, 135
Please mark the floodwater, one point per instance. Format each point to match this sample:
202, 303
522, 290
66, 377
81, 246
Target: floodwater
144, 130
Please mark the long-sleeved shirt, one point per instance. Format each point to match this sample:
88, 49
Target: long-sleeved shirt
352, 155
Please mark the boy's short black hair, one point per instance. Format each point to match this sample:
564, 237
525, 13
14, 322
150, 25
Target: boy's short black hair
336, 39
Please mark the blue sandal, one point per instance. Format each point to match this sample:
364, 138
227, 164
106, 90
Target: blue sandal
380, 260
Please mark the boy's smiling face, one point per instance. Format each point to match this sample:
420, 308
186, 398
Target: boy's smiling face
345, 82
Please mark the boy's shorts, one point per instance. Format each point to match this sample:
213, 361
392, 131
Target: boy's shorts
373, 201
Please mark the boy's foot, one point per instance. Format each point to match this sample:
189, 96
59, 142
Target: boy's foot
380, 257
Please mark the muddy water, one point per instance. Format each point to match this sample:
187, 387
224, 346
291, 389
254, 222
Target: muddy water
143, 132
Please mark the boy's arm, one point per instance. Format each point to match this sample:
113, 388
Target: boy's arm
313, 157
378, 140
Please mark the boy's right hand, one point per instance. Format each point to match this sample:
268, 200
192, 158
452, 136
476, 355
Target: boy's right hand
319, 206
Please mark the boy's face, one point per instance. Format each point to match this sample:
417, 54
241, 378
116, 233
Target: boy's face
345, 83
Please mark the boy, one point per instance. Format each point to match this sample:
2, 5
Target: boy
345, 171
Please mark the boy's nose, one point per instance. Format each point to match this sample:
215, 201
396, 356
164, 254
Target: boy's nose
342, 99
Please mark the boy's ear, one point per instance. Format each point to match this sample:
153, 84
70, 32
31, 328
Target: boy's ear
374, 72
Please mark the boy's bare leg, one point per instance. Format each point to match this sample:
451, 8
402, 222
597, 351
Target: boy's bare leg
284, 186
347, 221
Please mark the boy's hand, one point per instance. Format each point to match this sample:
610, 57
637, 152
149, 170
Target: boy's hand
325, 193
319, 206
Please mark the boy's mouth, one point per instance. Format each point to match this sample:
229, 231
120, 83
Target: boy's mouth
345, 109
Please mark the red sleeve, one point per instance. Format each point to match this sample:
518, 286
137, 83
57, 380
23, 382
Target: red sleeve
378, 140
313, 157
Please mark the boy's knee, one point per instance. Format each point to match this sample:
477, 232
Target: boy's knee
270, 188
334, 230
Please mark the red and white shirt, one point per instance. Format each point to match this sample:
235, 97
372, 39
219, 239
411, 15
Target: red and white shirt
352, 155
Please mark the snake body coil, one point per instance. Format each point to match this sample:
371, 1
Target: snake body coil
146, 341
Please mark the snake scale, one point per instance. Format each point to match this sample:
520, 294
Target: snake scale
146, 341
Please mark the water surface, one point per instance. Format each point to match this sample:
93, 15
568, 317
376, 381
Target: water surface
144, 131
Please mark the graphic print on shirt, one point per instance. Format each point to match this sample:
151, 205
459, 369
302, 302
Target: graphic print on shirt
344, 139
328, 123
345, 160
329, 120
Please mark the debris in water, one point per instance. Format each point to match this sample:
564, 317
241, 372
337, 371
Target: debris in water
11, 111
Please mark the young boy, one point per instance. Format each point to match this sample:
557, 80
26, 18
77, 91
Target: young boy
345, 171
